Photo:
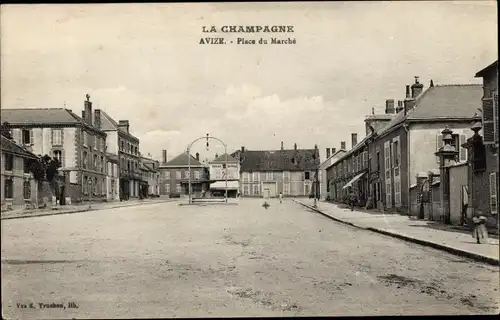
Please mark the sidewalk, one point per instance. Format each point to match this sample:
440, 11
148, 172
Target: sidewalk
423, 232
55, 210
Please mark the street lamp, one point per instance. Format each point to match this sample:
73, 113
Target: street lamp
189, 163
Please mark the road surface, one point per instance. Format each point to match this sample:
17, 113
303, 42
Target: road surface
165, 260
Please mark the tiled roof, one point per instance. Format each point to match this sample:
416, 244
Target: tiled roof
39, 116
9, 146
447, 102
222, 159
279, 160
108, 123
182, 160
481, 73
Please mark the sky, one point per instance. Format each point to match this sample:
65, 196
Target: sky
144, 63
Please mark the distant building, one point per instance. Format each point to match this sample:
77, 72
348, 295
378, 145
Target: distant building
75, 141
125, 146
174, 176
266, 173
219, 173
331, 156
151, 177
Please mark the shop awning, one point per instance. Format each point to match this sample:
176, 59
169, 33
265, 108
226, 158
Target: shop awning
353, 180
231, 185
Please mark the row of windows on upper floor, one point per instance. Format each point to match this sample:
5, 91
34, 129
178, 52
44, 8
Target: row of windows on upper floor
246, 176
128, 147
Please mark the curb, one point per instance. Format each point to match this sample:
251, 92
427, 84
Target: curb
79, 210
455, 251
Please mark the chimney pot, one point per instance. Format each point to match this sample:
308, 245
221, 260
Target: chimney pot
389, 106
295, 146
432, 84
97, 119
87, 107
164, 156
333, 151
354, 139
281, 145
407, 91
242, 149
400, 106
416, 88
327, 153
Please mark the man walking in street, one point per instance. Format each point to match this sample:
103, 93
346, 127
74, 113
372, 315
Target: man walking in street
281, 197
352, 198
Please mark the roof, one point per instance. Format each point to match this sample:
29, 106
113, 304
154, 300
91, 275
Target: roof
9, 146
486, 70
441, 102
348, 153
222, 159
40, 116
279, 160
182, 160
109, 124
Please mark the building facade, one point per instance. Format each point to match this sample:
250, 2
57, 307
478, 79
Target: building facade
224, 168
151, 176
75, 141
271, 172
175, 175
112, 177
18, 188
331, 156
125, 146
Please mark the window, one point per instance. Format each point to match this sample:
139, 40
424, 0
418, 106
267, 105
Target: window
186, 174
167, 187
269, 176
366, 161
286, 175
307, 175
27, 136
102, 143
397, 193
286, 189
9, 188
493, 193
85, 137
27, 190
197, 175
9, 162
95, 185
97, 141
102, 164
387, 156
85, 159
256, 190
57, 137
135, 149
245, 176
246, 190
388, 195
95, 162
85, 185
122, 145
178, 188
378, 160
57, 154
178, 175
458, 140
26, 166
167, 175
256, 176
490, 119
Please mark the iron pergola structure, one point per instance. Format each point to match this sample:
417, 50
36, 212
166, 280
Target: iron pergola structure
207, 137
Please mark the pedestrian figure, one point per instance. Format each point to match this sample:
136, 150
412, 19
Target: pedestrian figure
281, 197
480, 233
352, 199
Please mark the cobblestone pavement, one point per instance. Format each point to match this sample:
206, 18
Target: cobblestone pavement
166, 260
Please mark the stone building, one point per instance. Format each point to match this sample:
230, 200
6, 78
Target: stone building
266, 173
224, 168
75, 141
331, 156
18, 188
174, 175
125, 146
151, 176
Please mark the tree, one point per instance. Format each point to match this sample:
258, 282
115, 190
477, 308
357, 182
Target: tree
5, 130
44, 171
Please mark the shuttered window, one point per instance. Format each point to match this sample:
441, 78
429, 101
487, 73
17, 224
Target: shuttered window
387, 157
493, 193
463, 151
490, 119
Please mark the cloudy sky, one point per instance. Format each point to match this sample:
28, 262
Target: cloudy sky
143, 62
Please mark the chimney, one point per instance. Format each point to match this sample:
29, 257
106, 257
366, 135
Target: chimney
399, 108
354, 139
408, 92
389, 106
342, 145
124, 124
197, 156
327, 153
164, 156
97, 119
432, 84
281, 145
242, 149
88, 110
84, 116
295, 146
416, 88
333, 151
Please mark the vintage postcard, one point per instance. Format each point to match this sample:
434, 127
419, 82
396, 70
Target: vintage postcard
172, 160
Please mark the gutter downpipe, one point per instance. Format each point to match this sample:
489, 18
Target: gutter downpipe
406, 127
